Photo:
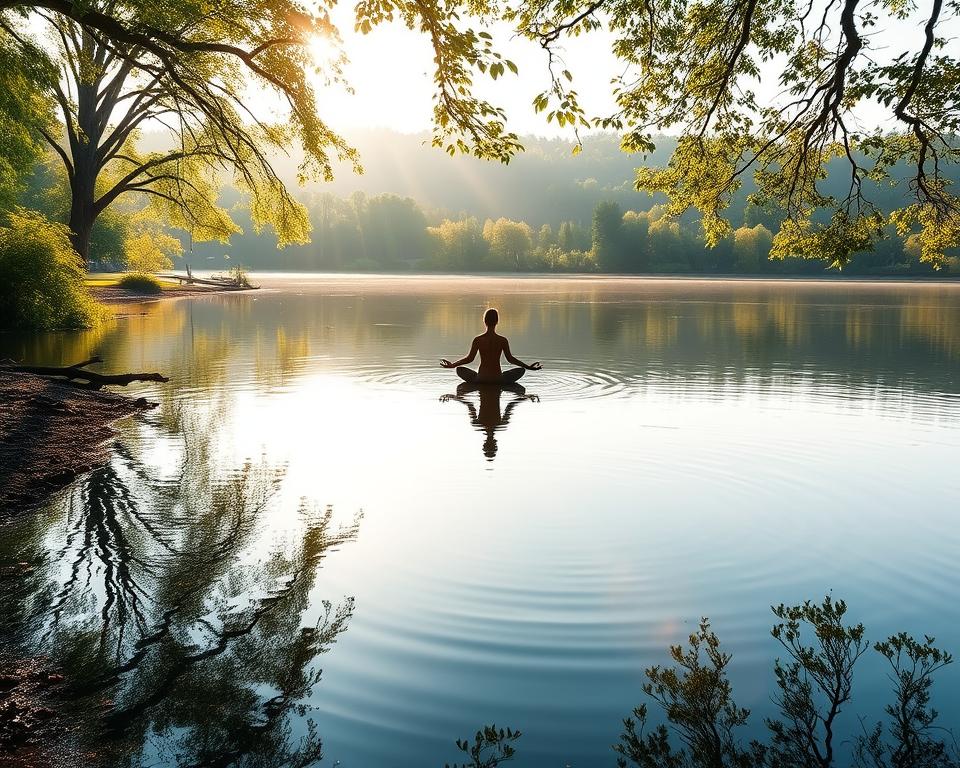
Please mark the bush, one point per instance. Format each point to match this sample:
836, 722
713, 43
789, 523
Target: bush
140, 282
41, 276
240, 276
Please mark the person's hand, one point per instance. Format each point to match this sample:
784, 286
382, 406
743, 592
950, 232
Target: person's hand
534, 367
446, 364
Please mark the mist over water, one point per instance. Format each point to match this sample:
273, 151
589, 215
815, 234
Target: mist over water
691, 448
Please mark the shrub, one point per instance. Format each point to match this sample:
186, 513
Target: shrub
240, 276
41, 276
140, 282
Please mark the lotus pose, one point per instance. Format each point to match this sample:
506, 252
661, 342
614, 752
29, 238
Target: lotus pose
490, 345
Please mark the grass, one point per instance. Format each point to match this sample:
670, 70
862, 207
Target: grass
116, 280
139, 282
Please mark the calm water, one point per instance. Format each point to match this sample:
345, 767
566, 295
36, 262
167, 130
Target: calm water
312, 497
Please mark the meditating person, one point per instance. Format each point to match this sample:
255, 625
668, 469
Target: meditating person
490, 345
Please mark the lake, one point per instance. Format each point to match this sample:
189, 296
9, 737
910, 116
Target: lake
315, 538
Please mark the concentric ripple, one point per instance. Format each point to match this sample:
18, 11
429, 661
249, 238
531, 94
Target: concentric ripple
556, 382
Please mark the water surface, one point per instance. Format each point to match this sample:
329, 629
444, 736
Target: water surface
312, 496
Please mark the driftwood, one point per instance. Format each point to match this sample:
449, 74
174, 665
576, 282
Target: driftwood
81, 378
219, 282
223, 282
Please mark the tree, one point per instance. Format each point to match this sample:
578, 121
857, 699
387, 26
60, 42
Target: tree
120, 232
608, 243
636, 226
545, 237
572, 237
666, 246
460, 244
107, 90
22, 108
150, 250
267, 41
693, 65
510, 243
750, 246
394, 231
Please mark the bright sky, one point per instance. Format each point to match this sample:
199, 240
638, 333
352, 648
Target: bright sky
391, 71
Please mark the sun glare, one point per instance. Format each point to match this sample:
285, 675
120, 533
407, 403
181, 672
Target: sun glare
324, 50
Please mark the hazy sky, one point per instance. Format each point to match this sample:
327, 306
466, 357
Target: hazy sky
391, 71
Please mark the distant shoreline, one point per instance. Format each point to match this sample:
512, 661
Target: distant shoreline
600, 276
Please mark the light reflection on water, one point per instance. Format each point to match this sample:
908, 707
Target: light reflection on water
690, 448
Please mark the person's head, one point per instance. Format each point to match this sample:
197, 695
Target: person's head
491, 317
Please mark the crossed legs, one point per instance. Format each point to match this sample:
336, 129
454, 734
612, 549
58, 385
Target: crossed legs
507, 377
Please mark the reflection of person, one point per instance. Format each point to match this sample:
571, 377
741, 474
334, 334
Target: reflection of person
489, 418
490, 345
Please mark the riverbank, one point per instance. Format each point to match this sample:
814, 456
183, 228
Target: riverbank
33, 730
104, 287
51, 432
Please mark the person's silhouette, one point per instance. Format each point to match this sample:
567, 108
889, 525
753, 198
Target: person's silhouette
490, 345
489, 419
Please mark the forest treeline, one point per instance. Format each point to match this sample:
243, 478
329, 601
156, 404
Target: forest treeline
414, 210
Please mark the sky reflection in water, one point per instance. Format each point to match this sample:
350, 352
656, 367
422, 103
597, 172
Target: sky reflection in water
690, 448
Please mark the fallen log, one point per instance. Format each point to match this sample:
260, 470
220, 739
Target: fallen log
216, 282
81, 378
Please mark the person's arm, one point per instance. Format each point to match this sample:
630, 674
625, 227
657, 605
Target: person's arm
471, 355
515, 361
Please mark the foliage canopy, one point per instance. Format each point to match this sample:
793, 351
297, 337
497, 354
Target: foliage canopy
695, 66
113, 67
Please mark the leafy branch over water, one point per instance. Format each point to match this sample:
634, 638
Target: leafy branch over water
491, 746
814, 685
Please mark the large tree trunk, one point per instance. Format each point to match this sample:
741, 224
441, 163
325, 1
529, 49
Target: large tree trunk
82, 218
86, 164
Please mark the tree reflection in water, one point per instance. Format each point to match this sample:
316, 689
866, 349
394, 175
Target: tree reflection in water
181, 628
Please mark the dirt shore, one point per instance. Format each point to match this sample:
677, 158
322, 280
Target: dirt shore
33, 731
111, 294
50, 432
